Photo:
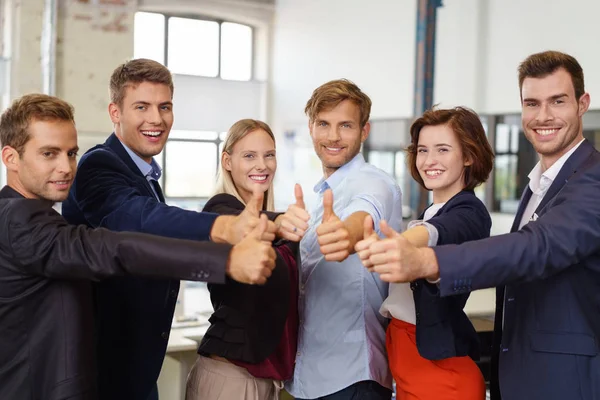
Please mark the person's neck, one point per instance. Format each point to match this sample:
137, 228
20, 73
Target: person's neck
548, 161
442, 196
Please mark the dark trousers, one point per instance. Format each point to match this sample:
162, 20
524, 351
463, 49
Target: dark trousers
365, 390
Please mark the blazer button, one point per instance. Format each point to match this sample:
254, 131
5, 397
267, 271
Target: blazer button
165, 335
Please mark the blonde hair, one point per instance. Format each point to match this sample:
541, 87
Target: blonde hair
225, 183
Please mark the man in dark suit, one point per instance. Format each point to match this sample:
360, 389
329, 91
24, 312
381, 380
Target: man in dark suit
547, 271
46, 313
116, 187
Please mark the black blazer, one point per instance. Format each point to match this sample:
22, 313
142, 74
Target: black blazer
248, 320
443, 329
133, 314
46, 317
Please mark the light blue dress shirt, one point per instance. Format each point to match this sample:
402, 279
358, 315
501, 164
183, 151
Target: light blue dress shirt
341, 338
152, 171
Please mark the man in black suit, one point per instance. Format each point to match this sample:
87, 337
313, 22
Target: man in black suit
46, 315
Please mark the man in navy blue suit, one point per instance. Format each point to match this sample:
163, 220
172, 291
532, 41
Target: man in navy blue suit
116, 187
547, 271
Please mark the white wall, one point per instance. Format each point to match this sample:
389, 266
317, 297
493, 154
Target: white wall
479, 46
519, 28
209, 104
369, 42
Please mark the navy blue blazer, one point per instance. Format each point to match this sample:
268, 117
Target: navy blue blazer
548, 336
133, 315
443, 329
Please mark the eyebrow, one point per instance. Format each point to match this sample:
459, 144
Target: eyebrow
437, 145
54, 148
145, 103
555, 97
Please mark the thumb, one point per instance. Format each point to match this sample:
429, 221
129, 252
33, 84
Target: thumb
328, 205
255, 204
299, 196
261, 228
387, 230
367, 226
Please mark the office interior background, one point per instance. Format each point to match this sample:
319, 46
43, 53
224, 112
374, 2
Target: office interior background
261, 59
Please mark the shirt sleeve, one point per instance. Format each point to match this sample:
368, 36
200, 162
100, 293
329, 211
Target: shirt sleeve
377, 197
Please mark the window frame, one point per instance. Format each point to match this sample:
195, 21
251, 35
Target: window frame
220, 22
163, 159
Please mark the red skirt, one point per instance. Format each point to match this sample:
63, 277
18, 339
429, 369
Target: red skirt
417, 378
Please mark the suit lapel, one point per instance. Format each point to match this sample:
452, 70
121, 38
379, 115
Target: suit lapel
115, 145
525, 197
568, 169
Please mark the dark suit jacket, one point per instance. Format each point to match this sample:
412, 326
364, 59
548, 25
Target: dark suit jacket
46, 318
443, 328
248, 320
551, 268
134, 315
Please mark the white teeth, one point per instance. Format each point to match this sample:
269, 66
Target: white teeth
434, 172
151, 133
545, 132
61, 182
258, 177
333, 148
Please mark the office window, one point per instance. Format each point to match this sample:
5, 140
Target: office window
195, 46
149, 36
236, 51
190, 161
506, 196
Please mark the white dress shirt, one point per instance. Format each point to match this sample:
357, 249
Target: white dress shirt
540, 182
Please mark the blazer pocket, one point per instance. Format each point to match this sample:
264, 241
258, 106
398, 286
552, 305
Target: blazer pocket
564, 343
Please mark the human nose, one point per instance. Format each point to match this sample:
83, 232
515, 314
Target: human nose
544, 114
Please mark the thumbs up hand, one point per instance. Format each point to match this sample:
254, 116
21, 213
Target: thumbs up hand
396, 259
332, 234
363, 246
293, 224
252, 260
243, 224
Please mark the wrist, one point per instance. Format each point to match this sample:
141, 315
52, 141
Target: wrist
431, 268
219, 229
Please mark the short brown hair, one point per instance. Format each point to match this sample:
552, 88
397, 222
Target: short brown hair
543, 64
332, 93
465, 123
133, 73
32, 107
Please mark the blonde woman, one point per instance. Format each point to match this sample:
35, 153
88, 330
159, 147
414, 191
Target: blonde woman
250, 346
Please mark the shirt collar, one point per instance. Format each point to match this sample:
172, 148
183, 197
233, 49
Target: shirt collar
539, 181
340, 174
152, 170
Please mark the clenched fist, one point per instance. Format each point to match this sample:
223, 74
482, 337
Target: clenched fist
252, 260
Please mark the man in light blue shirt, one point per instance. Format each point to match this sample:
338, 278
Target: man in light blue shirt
341, 339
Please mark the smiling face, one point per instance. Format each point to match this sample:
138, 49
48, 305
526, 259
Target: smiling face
144, 120
440, 162
337, 135
552, 115
252, 163
47, 165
